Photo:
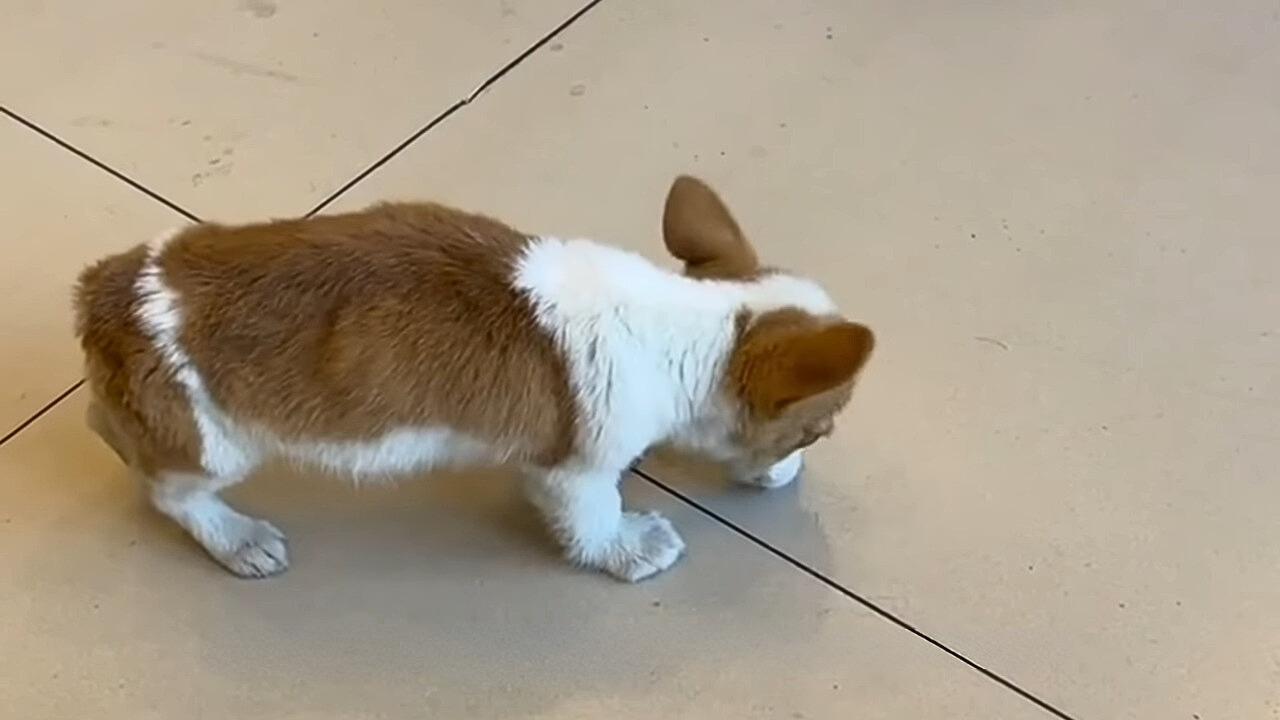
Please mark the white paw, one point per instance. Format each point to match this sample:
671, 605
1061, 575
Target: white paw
781, 473
646, 545
256, 550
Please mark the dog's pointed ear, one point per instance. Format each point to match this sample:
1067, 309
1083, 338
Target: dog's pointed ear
698, 229
778, 367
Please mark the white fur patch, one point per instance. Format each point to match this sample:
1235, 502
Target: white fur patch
398, 452
647, 347
160, 316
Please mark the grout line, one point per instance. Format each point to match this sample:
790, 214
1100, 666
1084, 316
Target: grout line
41, 412
12, 115
529, 51
360, 176
850, 594
47, 135
448, 112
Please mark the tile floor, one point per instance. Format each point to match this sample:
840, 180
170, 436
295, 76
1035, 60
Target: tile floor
1052, 498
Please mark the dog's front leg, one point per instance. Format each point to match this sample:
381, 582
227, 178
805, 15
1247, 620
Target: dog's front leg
584, 510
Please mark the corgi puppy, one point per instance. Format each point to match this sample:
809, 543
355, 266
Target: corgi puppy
409, 336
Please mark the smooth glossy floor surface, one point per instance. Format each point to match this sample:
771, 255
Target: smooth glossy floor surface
1054, 493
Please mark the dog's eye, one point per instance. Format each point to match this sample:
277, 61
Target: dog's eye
814, 434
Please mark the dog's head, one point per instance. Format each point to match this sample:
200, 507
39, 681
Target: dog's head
794, 360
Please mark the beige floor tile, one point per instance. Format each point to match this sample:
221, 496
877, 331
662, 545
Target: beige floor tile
250, 107
1062, 223
436, 599
57, 213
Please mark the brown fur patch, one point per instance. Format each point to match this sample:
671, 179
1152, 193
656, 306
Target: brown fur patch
788, 355
345, 327
353, 325
137, 408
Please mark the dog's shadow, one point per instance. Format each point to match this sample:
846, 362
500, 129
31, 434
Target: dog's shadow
439, 521
464, 520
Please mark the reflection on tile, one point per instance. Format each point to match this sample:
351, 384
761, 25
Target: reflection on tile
1061, 222
240, 109
439, 598
57, 213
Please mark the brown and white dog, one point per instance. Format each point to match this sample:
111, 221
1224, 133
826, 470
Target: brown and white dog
411, 336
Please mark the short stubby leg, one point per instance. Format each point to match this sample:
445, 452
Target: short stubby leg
780, 474
248, 547
584, 511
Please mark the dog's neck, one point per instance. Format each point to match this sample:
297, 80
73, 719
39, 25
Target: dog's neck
648, 339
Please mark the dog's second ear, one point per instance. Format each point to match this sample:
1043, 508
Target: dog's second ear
698, 229
777, 367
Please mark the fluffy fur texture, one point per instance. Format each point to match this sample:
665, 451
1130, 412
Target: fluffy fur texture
411, 336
